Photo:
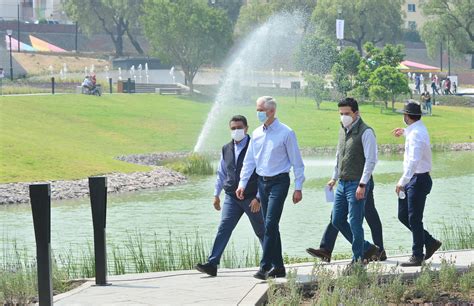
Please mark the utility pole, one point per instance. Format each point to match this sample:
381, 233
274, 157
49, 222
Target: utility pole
18, 25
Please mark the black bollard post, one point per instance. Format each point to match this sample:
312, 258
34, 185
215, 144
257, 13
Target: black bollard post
110, 85
52, 85
98, 195
40, 197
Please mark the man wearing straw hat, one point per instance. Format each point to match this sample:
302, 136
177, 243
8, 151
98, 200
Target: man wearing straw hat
415, 183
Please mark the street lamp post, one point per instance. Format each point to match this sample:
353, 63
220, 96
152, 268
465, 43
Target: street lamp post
9, 33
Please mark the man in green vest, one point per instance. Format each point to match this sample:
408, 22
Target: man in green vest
355, 161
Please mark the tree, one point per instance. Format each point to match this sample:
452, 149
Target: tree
188, 32
340, 79
375, 57
365, 20
386, 82
451, 21
257, 12
349, 59
231, 7
316, 55
116, 18
316, 88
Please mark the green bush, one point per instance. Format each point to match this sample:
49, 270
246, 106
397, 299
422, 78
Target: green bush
194, 164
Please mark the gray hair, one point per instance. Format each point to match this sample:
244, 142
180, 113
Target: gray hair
269, 102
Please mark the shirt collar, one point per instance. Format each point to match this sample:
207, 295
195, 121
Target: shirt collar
243, 142
412, 126
272, 126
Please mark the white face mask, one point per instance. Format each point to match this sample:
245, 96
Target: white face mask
346, 120
238, 134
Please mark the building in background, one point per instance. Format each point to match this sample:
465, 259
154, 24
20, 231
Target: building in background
414, 18
32, 10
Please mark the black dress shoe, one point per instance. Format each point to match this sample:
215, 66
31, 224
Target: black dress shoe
207, 268
277, 272
413, 262
261, 274
382, 256
430, 250
371, 253
321, 253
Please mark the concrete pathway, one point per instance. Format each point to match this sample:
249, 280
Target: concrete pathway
230, 287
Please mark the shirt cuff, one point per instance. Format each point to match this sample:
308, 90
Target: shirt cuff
242, 184
403, 181
298, 186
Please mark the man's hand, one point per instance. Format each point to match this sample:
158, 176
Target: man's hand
297, 196
331, 184
217, 203
360, 193
254, 206
240, 193
398, 188
398, 132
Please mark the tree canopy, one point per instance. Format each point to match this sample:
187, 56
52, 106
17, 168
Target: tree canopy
365, 20
116, 18
450, 21
187, 32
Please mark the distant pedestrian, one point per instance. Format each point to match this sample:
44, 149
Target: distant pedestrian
455, 88
447, 85
434, 89
417, 84
415, 184
428, 103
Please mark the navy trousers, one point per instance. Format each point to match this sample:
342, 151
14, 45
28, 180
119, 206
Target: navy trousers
272, 197
410, 211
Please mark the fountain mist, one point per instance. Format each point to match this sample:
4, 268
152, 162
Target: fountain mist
270, 44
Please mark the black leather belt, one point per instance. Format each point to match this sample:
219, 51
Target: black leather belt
426, 173
271, 178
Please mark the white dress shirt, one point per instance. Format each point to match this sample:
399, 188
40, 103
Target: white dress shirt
369, 143
417, 157
273, 150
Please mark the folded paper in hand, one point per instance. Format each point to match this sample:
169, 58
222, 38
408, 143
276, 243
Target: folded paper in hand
329, 194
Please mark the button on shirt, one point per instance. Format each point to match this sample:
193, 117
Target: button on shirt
221, 171
369, 144
273, 150
417, 157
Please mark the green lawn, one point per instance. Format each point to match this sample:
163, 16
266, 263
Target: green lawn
74, 136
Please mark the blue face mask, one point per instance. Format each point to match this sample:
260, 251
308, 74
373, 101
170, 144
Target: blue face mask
262, 116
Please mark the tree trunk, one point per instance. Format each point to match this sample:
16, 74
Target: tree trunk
393, 103
135, 43
318, 103
359, 48
119, 40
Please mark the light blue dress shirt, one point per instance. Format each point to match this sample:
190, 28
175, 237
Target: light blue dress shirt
221, 171
273, 150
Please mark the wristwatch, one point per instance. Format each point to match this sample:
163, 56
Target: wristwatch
362, 185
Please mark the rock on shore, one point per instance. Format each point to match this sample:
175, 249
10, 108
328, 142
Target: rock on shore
116, 182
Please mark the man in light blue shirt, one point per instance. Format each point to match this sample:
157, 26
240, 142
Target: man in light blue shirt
272, 152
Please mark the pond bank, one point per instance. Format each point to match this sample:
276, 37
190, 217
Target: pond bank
14, 193
160, 176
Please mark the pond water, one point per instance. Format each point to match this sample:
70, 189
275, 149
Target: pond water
187, 208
